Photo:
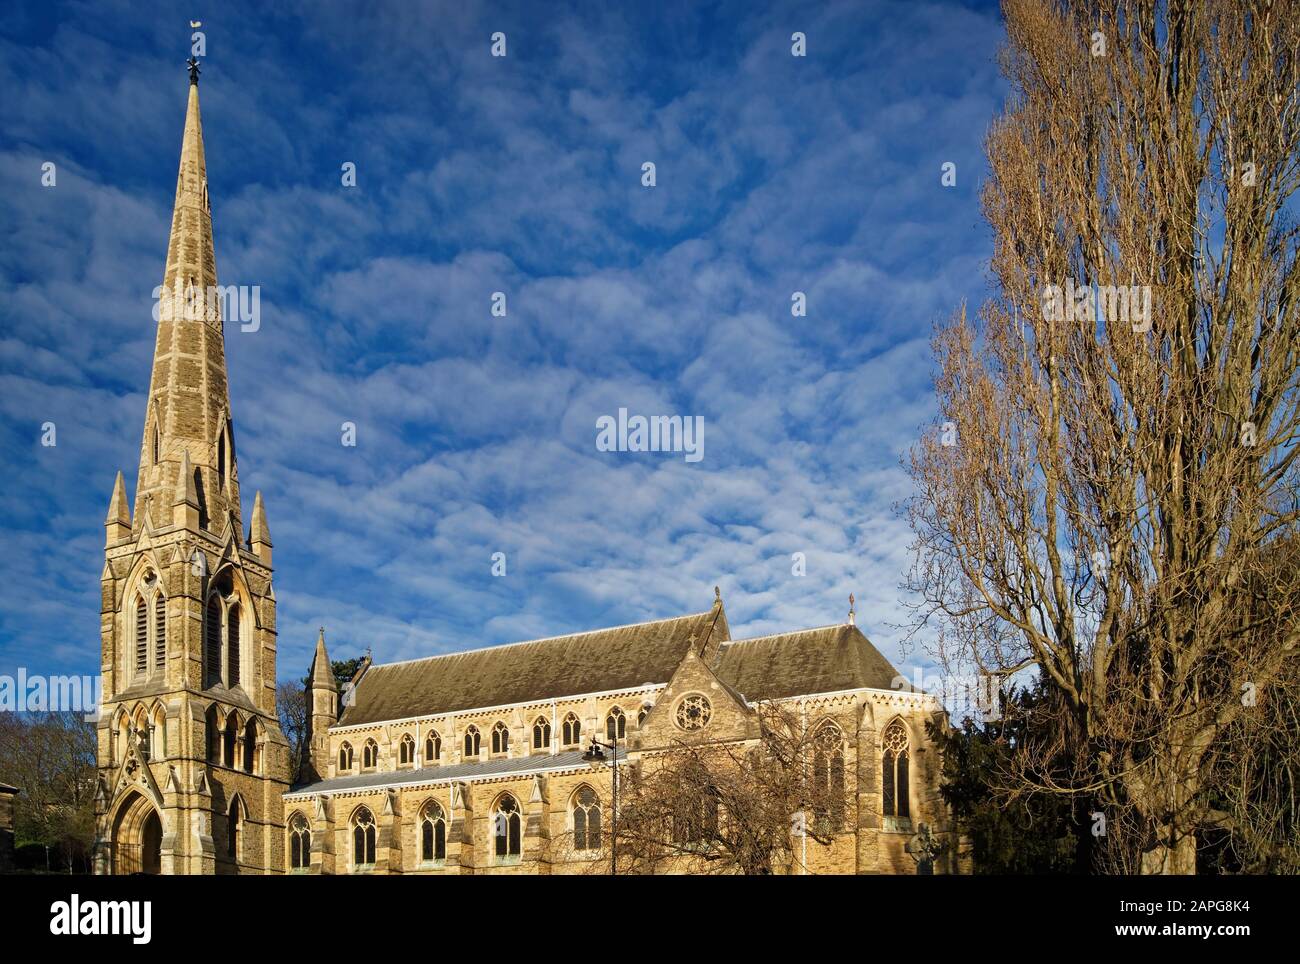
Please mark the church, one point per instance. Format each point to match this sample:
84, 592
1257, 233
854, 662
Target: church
504, 759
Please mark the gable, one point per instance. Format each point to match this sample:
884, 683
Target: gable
729, 717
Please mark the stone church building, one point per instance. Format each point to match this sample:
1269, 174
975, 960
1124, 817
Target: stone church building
472, 762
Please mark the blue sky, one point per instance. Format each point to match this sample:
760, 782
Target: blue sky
477, 174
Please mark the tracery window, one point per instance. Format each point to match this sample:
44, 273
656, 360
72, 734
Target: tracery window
642, 714
507, 828
695, 819
500, 737
369, 755
363, 839
433, 833
828, 775
406, 749
345, 756
586, 819
895, 793
571, 731
541, 733
693, 712
472, 740
615, 725
432, 747
299, 842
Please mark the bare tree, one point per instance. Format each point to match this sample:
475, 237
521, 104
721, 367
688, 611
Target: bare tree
726, 808
1118, 465
291, 706
51, 756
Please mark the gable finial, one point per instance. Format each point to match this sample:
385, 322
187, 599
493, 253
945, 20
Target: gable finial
852, 615
193, 64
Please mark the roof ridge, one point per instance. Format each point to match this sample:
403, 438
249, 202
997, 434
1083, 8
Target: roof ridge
788, 632
540, 639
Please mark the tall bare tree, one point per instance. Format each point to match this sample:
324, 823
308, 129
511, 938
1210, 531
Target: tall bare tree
291, 706
1113, 484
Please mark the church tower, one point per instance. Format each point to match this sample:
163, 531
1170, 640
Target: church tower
323, 712
192, 762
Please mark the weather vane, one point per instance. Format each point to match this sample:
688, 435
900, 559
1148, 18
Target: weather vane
193, 64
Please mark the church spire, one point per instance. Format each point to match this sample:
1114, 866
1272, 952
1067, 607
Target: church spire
189, 405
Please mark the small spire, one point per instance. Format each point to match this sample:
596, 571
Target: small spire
717, 598
193, 64
853, 619
321, 673
119, 511
260, 531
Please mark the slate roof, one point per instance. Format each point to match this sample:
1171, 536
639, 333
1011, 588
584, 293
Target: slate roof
823, 660
623, 657
485, 769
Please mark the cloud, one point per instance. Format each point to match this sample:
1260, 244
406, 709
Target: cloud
476, 434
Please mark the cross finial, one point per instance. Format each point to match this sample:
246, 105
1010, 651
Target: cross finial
193, 64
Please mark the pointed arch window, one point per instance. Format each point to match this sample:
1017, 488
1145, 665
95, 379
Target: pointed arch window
363, 839
541, 733
221, 460
642, 714
370, 755
143, 733
571, 731
345, 756
433, 833
828, 776
232, 738
299, 843
141, 636
615, 725
251, 749
471, 741
214, 734
234, 823
500, 737
232, 646
212, 658
160, 631
695, 819
432, 747
406, 750
895, 787
158, 733
507, 829
586, 819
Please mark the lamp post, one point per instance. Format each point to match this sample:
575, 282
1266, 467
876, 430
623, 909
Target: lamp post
596, 754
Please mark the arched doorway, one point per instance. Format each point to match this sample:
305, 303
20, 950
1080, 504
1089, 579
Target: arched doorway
137, 837
151, 844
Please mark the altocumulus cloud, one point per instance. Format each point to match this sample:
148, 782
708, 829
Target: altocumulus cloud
476, 434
